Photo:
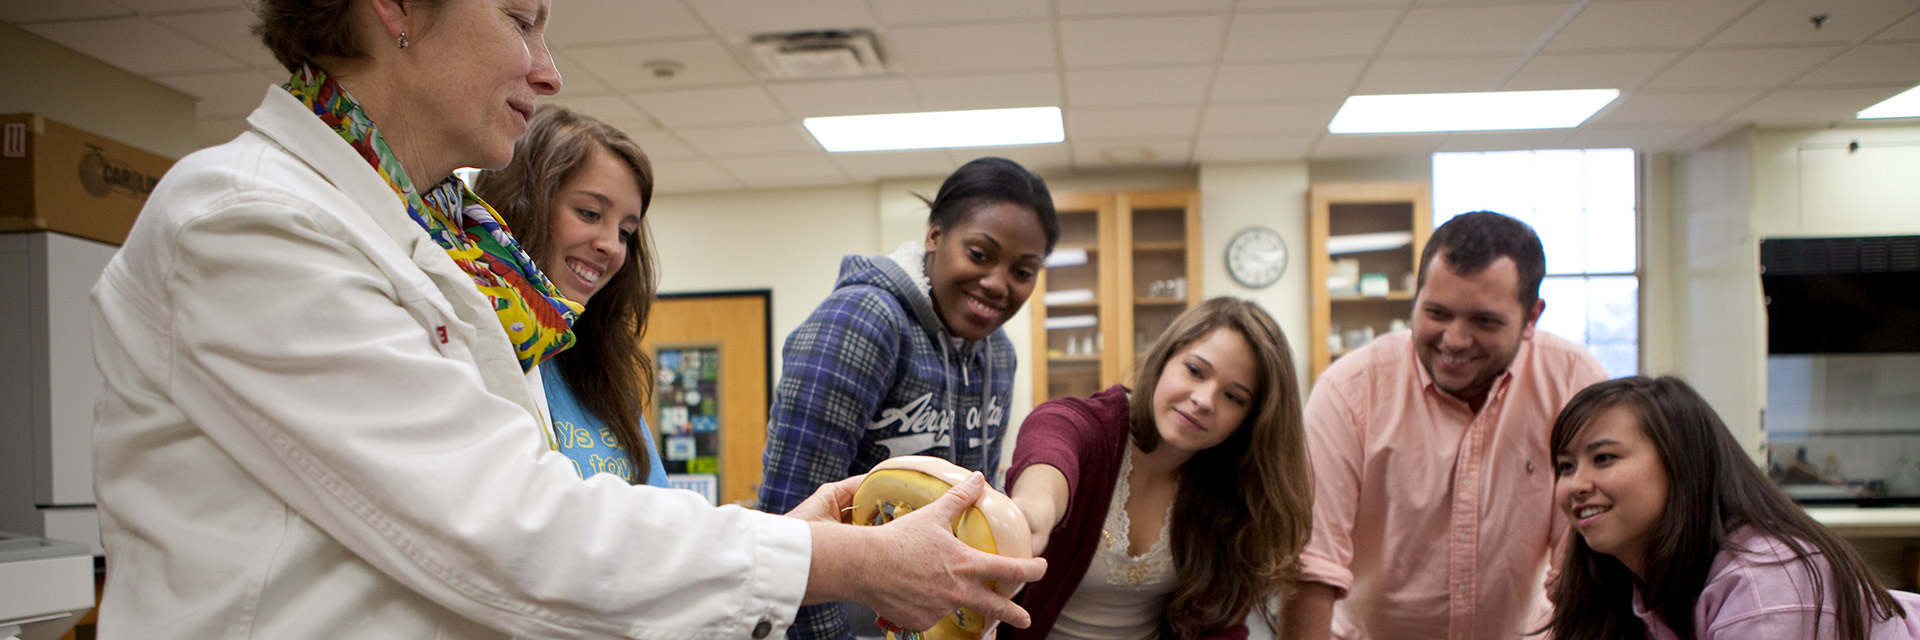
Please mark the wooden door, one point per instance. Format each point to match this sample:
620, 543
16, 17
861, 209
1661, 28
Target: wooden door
727, 333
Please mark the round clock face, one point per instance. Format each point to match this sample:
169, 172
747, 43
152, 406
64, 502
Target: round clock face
1256, 257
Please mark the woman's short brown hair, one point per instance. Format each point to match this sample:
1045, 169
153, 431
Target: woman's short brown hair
312, 31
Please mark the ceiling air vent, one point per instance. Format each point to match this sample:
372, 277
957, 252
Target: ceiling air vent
817, 54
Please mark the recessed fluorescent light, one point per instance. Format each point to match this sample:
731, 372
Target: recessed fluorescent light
1905, 105
1489, 111
938, 129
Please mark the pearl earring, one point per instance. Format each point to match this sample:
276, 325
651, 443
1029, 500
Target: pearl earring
402, 41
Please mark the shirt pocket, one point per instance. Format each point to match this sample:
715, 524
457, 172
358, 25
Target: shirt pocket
450, 335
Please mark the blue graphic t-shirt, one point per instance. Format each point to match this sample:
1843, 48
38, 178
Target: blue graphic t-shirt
591, 445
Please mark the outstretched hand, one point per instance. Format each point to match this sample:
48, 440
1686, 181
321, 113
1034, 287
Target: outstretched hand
913, 571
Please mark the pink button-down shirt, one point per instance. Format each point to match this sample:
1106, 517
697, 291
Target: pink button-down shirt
1434, 521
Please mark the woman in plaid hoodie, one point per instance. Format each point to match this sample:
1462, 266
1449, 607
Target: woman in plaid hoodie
907, 357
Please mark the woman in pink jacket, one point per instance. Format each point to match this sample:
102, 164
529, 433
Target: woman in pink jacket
1681, 536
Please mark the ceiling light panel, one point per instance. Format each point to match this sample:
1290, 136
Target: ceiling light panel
1486, 111
938, 129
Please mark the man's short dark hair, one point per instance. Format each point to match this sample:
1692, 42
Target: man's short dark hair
1471, 241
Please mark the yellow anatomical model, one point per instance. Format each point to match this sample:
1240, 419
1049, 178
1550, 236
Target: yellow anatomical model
897, 486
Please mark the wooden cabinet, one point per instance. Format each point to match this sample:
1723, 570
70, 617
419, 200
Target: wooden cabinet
1126, 265
1366, 239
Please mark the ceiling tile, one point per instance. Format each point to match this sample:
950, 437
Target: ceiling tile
1653, 139
1377, 146
577, 22
707, 62
229, 32
1095, 124
1638, 24
710, 106
1252, 148
1871, 63
1813, 106
21, 11
1588, 71
1740, 68
783, 139
576, 77
765, 172
869, 166
1038, 158
688, 176
1504, 140
1706, 136
1109, 42
1789, 22
1505, 28
1137, 87
999, 47
1434, 75
1143, 152
137, 45
953, 93
660, 145
1119, 7
614, 109
1244, 5
1266, 119
1285, 81
907, 12
1308, 34
845, 97
746, 17
1908, 29
1639, 109
230, 94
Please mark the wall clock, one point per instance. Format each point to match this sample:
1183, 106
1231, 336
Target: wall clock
1256, 257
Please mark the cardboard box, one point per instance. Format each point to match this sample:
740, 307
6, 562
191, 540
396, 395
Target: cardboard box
58, 178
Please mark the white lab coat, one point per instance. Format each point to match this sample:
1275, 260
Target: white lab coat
314, 427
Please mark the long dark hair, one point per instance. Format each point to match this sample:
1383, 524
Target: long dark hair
1245, 506
606, 368
1716, 492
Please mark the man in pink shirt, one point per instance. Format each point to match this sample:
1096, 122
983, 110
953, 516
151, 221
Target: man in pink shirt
1433, 483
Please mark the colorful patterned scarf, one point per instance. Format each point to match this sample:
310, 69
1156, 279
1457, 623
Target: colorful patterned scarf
536, 317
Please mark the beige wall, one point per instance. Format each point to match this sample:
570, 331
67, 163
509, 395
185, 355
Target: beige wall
51, 80
1234, 197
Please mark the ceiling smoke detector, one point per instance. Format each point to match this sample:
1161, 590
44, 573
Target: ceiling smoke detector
817, 54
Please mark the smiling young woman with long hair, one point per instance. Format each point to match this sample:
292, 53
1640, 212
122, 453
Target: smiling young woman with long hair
1680, 535
1174, 508
576, 194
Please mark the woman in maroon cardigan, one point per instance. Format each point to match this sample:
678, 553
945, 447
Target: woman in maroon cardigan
1174, 512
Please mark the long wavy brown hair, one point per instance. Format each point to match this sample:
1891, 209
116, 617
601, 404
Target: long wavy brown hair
606, 368
1245, 506
1715, 489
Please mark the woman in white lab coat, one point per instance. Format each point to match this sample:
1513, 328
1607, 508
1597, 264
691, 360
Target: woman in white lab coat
318, 418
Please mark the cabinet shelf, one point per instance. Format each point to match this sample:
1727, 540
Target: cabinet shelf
1378, 227
1391, 296
1121, 242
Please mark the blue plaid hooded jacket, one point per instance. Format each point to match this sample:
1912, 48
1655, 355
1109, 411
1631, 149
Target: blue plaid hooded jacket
873, 374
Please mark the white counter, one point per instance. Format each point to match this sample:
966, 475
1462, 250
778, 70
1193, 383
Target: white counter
1869, 522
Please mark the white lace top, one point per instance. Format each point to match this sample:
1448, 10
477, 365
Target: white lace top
1122, 596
